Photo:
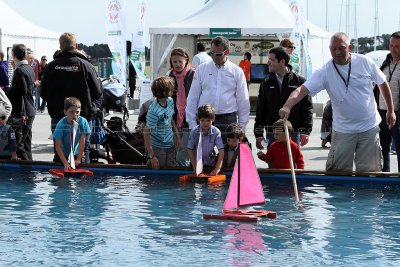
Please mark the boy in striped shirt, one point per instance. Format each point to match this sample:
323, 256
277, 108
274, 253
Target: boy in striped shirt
160, 127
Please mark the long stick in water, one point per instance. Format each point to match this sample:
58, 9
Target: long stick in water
296, 193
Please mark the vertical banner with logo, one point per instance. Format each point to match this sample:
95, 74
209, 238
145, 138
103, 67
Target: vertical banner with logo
138, 57
116, 33
300, 58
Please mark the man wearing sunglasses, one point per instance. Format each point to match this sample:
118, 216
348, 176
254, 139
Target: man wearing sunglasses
221, 84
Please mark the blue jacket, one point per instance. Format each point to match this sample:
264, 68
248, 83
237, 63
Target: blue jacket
4, 81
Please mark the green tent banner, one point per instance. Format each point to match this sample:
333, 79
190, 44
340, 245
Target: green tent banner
227, 32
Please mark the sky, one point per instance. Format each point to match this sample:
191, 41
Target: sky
85, 18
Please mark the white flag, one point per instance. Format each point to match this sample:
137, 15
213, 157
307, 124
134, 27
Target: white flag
138, 45
71, 158
301, 62
116, 33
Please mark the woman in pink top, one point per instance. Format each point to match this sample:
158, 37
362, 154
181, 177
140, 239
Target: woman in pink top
183, 73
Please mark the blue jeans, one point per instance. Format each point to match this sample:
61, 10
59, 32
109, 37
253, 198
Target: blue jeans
386, 136
37, 98
223, 120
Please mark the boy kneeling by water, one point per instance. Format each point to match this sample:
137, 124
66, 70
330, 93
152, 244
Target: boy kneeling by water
160, 127
277, 155
210, 137
8, 144
63, 134
234, 135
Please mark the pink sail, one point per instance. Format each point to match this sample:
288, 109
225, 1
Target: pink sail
251, 192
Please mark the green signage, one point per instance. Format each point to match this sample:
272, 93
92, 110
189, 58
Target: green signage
227, 32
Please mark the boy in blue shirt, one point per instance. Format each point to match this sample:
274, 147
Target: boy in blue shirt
211, 137
64, 130
160, 127
8, 144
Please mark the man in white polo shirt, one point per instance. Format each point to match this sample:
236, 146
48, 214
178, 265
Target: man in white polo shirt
201, 56
348, 80
221, 84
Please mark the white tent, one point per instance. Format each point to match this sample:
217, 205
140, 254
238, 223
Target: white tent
14, 29
262, 20
378, 56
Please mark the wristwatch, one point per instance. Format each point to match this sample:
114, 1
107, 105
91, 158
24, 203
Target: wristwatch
150, 157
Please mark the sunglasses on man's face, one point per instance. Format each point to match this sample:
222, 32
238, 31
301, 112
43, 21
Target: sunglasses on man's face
293, 47
3, 118
217, 54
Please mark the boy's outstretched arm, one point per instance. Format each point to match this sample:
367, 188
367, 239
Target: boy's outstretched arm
155, 165
218, 165
81, 149
61, 155
178, 141
192, 158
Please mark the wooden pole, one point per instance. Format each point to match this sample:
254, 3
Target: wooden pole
296, 193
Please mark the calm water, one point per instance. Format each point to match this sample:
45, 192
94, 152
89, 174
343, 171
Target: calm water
150, 221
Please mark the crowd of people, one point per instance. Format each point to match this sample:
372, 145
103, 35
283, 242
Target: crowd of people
202, 108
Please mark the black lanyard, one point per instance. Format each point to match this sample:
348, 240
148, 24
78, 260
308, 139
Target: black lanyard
348, 74
391, 73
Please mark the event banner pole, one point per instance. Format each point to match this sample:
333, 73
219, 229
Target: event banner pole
116, 33
138, 57
300, 59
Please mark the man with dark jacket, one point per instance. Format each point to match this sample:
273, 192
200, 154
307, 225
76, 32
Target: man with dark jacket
71, 74
273, 93
21, 98
392, 71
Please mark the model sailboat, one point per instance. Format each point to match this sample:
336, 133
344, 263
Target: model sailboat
71, 158
245, 189
199, 168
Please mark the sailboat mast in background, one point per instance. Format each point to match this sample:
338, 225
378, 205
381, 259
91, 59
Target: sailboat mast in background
355, 25
376, 24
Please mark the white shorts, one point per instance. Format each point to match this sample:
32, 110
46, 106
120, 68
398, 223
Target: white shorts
361, 148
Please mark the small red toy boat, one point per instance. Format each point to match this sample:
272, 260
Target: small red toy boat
70, 173
202, 177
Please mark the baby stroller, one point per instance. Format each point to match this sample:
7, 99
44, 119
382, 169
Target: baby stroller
114, 95
125, 147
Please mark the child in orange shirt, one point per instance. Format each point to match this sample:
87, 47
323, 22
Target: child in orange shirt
245, 65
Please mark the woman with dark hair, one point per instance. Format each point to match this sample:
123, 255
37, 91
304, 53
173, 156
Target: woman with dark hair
182, 73
21, 98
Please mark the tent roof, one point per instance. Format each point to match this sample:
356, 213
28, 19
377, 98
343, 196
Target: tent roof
314, 30
254, 17
13, 24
